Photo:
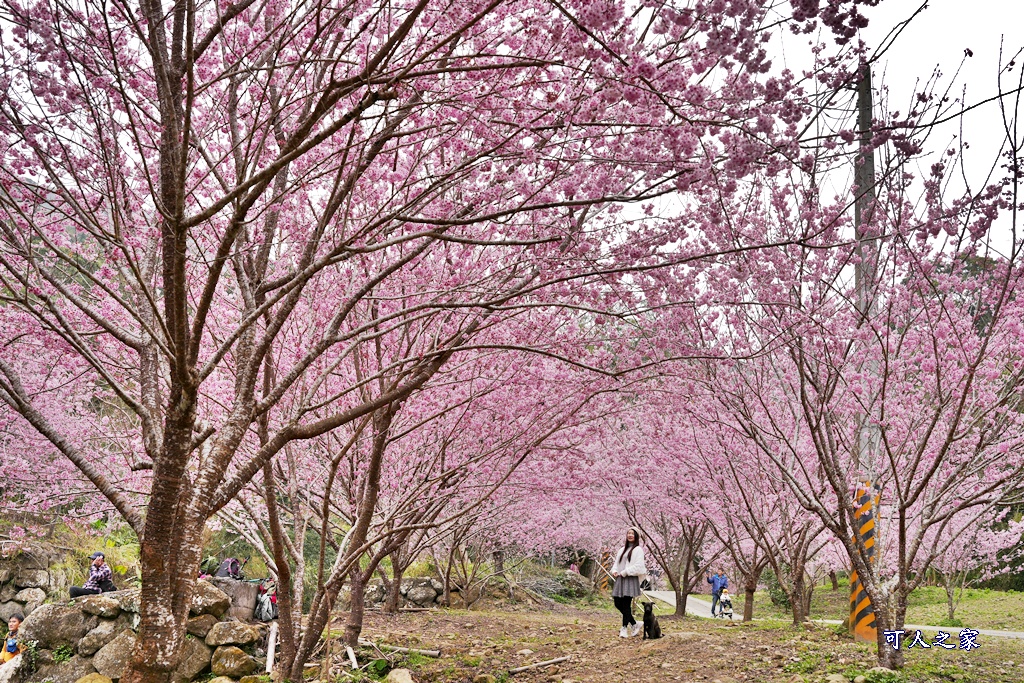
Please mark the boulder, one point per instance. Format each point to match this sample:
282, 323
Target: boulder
399, 676
574, 584
251, 679
113, 657
222, 679
5, 574
8, 592
195, 657
94, 678
421, 595
9, 608
15, 671
31, 578
127, 600
31, 598
102, 634
229, 660
232, 633
836, 678
208, 599
67, 671
101, 605
242, 594
38, 556
54, 625
30, 595
201, 625
374, 594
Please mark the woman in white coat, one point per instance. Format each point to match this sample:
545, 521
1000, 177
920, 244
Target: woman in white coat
628, 568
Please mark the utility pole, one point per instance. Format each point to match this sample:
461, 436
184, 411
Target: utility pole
866, 498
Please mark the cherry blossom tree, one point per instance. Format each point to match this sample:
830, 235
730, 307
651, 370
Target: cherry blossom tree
201, 203
931, 367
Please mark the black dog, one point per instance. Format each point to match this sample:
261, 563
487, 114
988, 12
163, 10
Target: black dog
652, 630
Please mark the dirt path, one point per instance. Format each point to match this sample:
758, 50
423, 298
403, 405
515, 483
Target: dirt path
475, 645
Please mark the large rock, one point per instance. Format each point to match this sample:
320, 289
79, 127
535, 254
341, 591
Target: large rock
101, 605
222, 679
399, 676
102, 634
94, 678
195, 657
32, 598
574, 584
242, 594
201, 625
9, 608
374, 594
55, 625
31, 578
15, 671
421, 595
112, 658
67, 671
127, 600
8, 592
209, 599
232, 633
30, 595
229, 660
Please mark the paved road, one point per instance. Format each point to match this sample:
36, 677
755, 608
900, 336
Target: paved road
698, 607
695, 606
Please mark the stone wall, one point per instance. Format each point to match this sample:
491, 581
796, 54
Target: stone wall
94, 636
418, 592
28, 578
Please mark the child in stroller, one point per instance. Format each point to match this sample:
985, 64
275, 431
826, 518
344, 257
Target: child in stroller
725, 605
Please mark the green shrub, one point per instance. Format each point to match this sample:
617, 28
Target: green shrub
775, 592
63, 654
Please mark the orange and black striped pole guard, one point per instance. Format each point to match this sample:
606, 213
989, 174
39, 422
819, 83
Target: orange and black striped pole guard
862, 612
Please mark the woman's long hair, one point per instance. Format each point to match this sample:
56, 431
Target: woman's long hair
627, 550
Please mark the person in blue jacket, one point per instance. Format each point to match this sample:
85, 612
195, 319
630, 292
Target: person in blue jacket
718, 581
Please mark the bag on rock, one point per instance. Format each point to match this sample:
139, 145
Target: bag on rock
265, 610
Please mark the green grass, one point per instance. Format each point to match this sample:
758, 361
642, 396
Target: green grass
979, 608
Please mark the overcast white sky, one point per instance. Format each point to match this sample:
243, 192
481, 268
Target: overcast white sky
938, 37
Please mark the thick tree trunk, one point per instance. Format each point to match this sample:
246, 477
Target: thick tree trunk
499, 562
835, 579
797, 598
357, 591
394, 591
749, 588
947, 583
888, 657
681, 597
169, 555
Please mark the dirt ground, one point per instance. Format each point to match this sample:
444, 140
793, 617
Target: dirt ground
480, 643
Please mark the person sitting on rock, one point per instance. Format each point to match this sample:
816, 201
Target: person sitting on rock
100, 578
12, 648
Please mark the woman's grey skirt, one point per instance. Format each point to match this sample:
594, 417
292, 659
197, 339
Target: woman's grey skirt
626, 586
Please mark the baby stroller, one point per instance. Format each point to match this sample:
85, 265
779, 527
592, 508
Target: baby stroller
725, 605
